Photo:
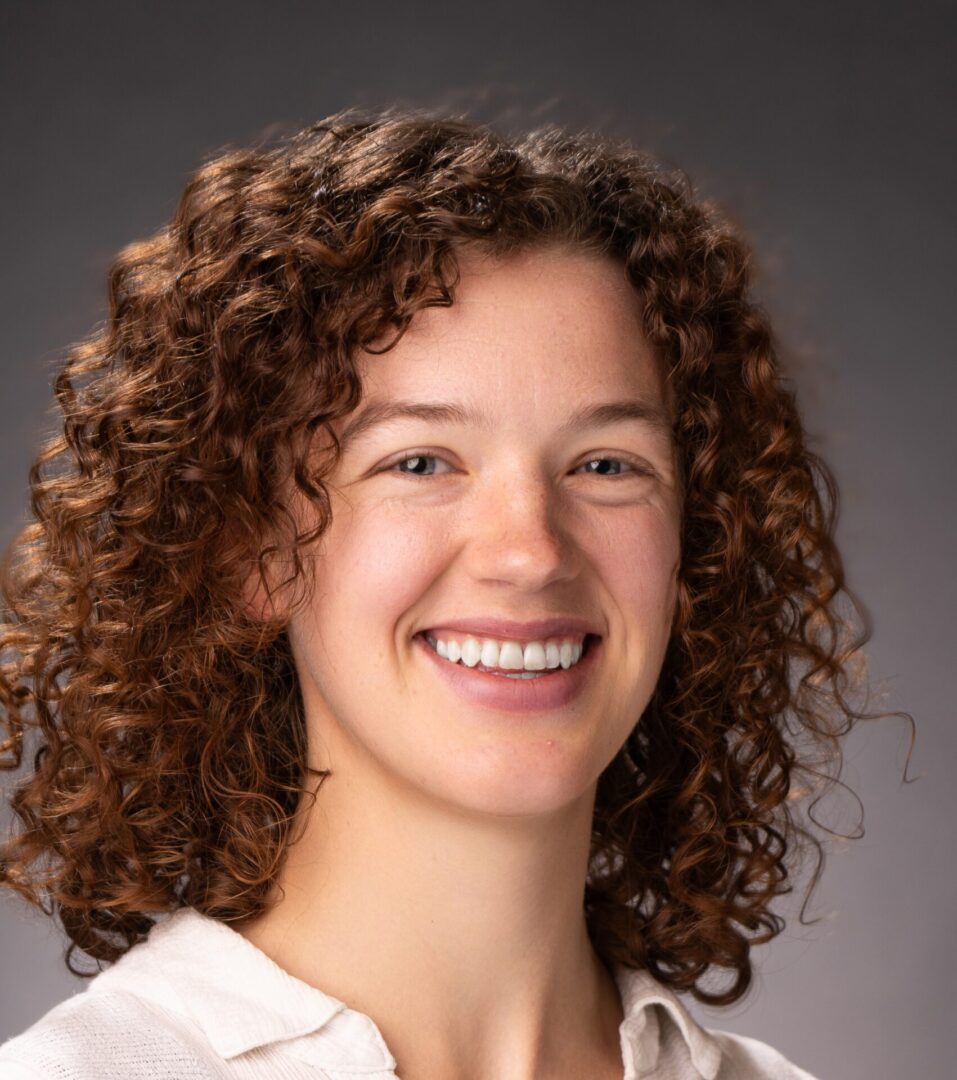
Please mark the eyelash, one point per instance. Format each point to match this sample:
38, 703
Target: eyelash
637, 469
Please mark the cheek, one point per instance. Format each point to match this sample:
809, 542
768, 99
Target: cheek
378, 565
639, 563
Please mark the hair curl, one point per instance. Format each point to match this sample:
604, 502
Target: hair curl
170, 736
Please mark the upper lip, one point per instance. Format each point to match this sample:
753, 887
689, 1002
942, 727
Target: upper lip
511, 630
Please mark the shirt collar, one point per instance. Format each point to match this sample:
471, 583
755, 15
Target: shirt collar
198, 966
640, 1032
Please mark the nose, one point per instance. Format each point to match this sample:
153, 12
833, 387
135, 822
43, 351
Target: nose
517, 533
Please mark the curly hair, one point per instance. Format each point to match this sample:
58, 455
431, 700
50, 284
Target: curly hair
170, 738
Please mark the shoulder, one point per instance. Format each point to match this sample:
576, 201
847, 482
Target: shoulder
744, 1058
107, 1035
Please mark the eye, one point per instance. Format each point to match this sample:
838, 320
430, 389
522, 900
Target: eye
635, 468
417, 462
419, 467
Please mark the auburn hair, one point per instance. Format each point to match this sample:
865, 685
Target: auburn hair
165, 722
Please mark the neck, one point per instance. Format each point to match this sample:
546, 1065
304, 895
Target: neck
462, 936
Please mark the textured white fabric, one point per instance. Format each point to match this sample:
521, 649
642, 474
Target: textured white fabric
197, 1001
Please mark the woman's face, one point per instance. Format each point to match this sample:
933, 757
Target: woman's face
522, 511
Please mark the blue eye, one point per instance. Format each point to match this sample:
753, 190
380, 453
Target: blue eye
418, 461
635, 469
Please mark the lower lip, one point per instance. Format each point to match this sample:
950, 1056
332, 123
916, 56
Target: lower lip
516, 695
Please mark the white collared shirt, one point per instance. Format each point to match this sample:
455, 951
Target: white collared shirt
197, 1001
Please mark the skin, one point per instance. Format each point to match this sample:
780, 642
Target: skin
438, 882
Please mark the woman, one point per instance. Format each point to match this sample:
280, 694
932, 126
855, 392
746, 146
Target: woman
412, 614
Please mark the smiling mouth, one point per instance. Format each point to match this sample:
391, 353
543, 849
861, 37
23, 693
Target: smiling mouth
546, 695
588, 641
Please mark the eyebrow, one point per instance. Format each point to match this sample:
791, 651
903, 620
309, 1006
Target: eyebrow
600, 414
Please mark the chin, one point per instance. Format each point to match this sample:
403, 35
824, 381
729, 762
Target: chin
533, 780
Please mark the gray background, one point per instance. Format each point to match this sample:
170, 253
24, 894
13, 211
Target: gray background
825, 130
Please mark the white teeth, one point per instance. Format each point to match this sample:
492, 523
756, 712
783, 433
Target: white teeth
471, 652
533, 658
490, 654
510, 655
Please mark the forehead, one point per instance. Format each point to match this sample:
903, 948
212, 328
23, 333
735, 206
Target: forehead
550, 326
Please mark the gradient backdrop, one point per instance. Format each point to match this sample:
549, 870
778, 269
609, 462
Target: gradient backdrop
826, 130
